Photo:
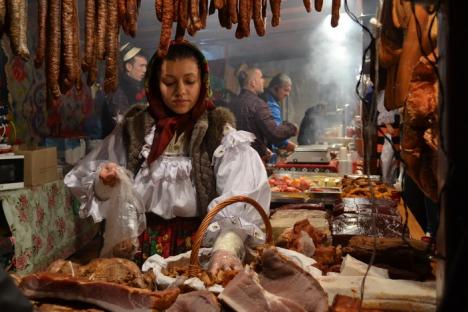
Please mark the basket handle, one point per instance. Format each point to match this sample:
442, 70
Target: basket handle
194, 267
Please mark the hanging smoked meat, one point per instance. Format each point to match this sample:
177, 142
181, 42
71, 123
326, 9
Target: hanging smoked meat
58, 39
2, 14
411, 49
259, 21
53, 47
232, 5
389, 46
275, 11
167, 19
336, 4
68, 69
16, 15
132, 15
112, 47
307, 5
190, 16
41, 40
101, 29
90, 17
318, 4
420, 128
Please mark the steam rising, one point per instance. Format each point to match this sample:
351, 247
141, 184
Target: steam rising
335, 61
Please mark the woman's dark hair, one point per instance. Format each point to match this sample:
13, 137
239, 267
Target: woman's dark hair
176, 52
168, 122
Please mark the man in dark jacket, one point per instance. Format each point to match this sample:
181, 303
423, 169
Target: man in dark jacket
130, 91
253, 114
311, 128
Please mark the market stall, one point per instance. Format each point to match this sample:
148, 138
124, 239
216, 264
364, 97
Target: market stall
192, 218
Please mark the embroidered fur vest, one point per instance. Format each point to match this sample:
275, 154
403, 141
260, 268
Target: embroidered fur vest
206, 137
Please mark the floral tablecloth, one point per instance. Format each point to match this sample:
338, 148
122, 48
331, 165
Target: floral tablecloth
45, 225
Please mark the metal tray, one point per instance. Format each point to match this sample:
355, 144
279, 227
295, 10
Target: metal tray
372, 177
290, 198
298, 174
321, 194
324, 194
314, 176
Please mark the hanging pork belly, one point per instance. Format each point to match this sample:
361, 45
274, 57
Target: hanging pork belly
389, 46
420, 128
412, 21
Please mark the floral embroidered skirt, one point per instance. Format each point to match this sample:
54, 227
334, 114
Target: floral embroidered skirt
166, 237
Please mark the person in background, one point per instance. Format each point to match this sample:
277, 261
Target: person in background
131, 89
388, 141
311, 128
278, 90
253, 114
181, 156
423, 208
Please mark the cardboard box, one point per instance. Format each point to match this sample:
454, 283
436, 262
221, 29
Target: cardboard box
40, 165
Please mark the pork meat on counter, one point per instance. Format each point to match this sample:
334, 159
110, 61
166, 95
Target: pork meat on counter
110, 296
114, 270
196, 301
279, 286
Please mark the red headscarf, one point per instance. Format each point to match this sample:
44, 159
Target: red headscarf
169, 123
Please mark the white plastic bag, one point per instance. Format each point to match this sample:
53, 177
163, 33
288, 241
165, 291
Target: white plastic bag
127, 219
159, 264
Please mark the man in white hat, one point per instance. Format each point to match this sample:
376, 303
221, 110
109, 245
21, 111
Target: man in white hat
131, 87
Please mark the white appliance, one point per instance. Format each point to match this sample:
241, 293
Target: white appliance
316, 153
11, 171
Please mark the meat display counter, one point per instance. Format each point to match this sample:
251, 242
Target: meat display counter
305, 187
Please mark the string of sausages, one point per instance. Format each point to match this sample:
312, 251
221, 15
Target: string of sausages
190, 16
59, 40
13, 22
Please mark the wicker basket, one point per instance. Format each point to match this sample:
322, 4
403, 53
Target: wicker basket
194, 267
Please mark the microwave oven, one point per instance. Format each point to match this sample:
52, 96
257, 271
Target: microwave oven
11, 171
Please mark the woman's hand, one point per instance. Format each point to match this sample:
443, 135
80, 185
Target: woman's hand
224, 260
108, 174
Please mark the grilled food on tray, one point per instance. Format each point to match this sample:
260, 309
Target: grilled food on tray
286, 183
360, 187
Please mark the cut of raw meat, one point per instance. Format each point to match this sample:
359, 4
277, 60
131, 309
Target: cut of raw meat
110, 296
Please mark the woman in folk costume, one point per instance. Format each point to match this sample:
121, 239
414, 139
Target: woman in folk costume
172, 161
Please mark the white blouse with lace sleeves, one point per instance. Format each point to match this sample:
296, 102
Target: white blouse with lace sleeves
166, 185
